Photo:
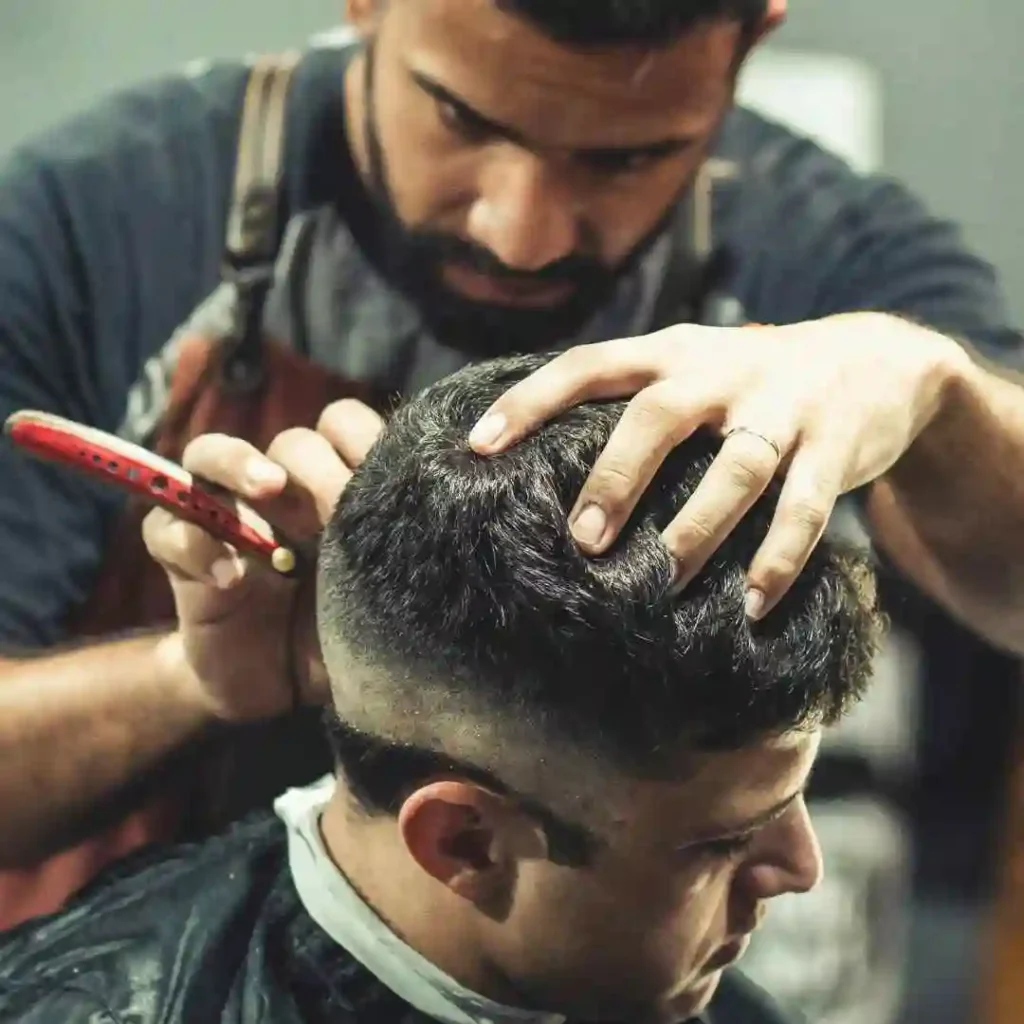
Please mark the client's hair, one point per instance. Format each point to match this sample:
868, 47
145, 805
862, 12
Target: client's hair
466, 633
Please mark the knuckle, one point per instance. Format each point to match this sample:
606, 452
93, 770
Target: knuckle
338, 413
750, 459
810, 514
773, 575
749, 471
329, 416
204, 448
153, 528
574, 359
294, 439
576, 368
612, 480
659, 414
170, 541
697, 530
181, 539
664, 400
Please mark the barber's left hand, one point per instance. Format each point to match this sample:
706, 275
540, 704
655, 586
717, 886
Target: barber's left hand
831, 403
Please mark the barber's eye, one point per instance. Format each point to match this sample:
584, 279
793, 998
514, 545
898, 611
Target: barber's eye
463, 122
619, 161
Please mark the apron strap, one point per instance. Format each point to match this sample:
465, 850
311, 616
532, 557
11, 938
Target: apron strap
254, 220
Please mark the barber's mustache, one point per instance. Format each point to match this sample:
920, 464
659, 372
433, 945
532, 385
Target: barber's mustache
575, 269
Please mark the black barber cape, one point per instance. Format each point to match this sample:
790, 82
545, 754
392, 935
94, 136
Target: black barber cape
215, 933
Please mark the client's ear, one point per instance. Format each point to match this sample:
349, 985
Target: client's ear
467, 838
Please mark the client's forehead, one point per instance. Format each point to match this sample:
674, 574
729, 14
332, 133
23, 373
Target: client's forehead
725, 792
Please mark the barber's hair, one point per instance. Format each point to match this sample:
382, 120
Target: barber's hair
629, 22
466, 632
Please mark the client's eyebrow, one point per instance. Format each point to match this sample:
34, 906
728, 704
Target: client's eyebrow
751, 824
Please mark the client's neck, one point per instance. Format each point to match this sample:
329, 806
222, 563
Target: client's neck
421, 911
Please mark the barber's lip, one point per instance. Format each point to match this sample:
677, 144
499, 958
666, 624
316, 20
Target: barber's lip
527, 294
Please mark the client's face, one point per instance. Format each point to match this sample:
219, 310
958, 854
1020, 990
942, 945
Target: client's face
643, 933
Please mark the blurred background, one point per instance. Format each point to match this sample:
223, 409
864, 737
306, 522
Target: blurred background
911, 798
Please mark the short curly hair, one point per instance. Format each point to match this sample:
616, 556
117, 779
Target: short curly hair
465, 631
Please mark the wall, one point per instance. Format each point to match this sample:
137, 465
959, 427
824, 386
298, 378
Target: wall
954, 105
56, 55
954, 87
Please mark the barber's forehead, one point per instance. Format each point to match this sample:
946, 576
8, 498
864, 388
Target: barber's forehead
505, 63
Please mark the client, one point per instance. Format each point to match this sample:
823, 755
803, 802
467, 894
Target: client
563, 792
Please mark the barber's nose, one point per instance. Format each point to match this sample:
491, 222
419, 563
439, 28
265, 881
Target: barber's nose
789, 861
523, 214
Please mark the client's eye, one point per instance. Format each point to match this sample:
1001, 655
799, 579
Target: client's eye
731, 846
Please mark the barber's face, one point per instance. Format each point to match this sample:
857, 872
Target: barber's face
644, 932
522, 175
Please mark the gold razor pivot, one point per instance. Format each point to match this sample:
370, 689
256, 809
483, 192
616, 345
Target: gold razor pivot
283, 560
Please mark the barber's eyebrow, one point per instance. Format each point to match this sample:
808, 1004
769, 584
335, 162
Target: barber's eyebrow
759, 820
440, 93
657, 148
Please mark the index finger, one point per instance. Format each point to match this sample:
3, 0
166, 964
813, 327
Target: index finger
608, 369
233, 464
317, 475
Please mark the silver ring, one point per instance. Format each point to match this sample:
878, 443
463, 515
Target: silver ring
754, 433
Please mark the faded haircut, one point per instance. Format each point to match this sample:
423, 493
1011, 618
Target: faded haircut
465, 631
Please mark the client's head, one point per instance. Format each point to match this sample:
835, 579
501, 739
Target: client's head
570, 788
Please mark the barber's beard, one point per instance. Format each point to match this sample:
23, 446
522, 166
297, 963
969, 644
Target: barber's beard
414, 260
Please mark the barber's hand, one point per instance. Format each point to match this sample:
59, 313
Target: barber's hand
245, 638
832, 403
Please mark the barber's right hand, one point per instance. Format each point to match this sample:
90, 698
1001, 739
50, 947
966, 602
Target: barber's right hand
246, 633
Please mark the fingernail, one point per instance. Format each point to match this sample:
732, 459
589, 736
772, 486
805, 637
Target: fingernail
488, 430
589, 526
226, 572
753, 604
260, 473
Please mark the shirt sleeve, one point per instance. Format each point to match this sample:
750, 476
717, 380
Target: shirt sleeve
825, 240
110, 233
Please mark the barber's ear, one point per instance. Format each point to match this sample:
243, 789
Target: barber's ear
774, 16
466, 838
362, 15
